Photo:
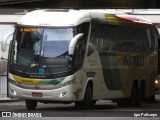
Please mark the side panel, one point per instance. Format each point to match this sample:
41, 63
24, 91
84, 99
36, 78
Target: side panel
119, 55
111, 70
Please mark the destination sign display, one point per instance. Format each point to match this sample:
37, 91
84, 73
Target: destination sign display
28, 29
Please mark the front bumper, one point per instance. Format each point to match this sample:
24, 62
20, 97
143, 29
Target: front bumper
61, 94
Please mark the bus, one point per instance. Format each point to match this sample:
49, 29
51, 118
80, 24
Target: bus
82, 56
7, 23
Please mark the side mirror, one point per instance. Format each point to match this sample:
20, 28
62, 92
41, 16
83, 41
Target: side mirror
4, 41
73, 43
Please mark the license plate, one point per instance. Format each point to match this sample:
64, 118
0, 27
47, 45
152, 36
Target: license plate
37, 94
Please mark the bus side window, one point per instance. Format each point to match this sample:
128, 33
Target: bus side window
94, 42
91, 48
78, 55
151, 39
81, 45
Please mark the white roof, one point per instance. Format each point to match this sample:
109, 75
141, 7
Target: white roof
51, 17
153, 18
55, 18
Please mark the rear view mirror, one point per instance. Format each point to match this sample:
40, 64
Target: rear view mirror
4, 41
73, 43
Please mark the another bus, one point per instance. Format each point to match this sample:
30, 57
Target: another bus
83, 56
7, 23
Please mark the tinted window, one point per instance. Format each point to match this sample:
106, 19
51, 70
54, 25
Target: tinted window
122, 38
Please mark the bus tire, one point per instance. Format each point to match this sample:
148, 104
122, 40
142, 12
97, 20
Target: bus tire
136, 95
93, 102
142, 90
139, 98
151, 99
87, 102
122, 102
31, 104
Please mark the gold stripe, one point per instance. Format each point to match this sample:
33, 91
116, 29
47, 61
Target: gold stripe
23, 80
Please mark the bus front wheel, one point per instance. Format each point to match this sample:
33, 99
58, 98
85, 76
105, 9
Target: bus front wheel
87, 102
31, 104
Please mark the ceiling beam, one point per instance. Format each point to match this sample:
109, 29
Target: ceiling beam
80, 3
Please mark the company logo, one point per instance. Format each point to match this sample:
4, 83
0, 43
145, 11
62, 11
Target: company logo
13, 114
6, 114
36, 87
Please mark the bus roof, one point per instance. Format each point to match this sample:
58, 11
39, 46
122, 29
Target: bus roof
135, 18
64, 17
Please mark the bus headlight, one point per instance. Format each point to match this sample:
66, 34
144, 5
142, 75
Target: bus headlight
63, 84
13, 82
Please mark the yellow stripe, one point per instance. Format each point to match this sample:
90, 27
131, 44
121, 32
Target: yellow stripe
23, 80
111, 17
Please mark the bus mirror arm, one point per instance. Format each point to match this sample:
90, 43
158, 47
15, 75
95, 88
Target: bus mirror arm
4, 41
73, 43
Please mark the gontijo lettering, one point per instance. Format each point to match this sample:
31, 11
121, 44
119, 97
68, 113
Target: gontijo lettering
133, 61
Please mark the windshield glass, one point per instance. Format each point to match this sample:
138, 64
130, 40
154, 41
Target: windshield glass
47, 47
56, 40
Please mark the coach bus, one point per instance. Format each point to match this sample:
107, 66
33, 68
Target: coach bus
82, 56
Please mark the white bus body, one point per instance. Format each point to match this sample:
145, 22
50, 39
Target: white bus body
94, 64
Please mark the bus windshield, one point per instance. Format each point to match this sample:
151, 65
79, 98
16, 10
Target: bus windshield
47, 47
56, 42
